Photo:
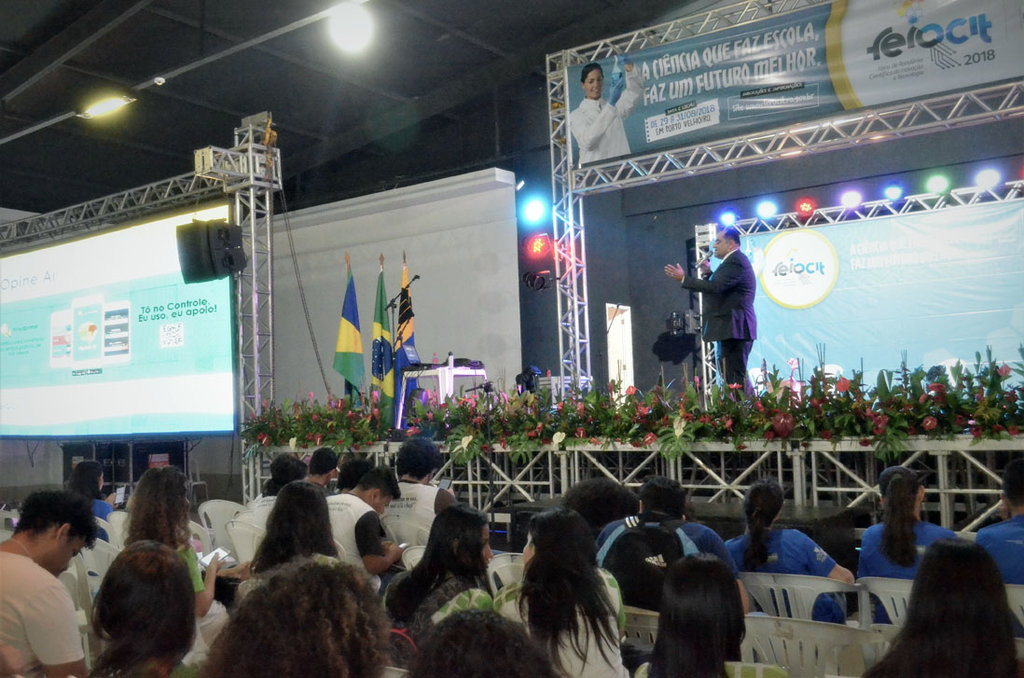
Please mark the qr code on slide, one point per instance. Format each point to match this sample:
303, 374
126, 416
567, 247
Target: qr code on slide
172, 335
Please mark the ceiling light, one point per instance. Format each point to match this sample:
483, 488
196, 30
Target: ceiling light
351, 26
105, 107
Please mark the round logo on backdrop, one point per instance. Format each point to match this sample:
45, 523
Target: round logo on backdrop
799, 268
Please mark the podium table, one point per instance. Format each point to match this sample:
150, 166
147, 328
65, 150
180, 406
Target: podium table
445, 373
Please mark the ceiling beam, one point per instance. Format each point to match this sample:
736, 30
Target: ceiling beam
613, 21
92, 26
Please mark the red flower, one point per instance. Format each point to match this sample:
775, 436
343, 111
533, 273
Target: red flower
759, 406
531, 434
1013, 430
414, 430
580, 432
865, 442
1004, 371
826, 434
881, 421
580, 408
842, 385
783, 424
769, 435
929, 423
650, 439
938, 388
594, 441
632, 390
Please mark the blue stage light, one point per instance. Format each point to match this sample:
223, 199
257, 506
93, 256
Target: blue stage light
987, 179
893, 192
727, 218
535, 211
766, 209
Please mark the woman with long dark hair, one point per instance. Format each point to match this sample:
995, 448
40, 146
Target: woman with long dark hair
893, 547
87, 480
700, 627
160, 512
451, 576
766, 549
298, 528
145, 614
958, 623
573, 608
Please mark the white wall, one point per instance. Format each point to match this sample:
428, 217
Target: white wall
459, 235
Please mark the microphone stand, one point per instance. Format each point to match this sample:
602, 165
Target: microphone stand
488, 389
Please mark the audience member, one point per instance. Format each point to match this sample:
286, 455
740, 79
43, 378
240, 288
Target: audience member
700, 626
573, 608
323, 468
298, 528
355, 521
160, 512
765, 549
308, 620
38, 625
958, 622
893, 547
351, 469
87, 480
451, 576
283, 469
600, 501
637, 550
480, 644
145, 614
418, 460
1005, 541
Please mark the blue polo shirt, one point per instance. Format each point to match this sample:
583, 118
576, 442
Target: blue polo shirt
1005, 543
793, 552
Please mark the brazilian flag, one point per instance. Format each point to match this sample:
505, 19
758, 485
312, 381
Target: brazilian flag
382, 362
348, 352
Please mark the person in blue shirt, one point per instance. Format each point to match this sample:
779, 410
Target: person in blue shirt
87, 480
1005, 541
893, 548
775, 551
662, 506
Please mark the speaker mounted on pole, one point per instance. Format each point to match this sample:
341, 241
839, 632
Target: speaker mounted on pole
209, 250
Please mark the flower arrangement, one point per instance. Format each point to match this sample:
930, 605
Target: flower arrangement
903, 403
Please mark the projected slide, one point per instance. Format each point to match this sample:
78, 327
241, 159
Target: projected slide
939, 285
102, 337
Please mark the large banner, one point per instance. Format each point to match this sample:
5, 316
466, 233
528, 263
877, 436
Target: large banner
796, 67
938, 285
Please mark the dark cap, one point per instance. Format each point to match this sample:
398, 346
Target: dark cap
902, 471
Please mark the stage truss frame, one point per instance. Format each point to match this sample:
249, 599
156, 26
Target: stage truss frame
569, 184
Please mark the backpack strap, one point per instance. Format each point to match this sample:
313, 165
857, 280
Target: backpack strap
602, 553
689, 548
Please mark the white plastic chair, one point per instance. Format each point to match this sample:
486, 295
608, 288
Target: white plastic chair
194, 481
76, 581
412, 555
97, 562
504, 569
893, 594
1020, 649
113, 537
394, 672
6, 533
246, 538
119, 520
8, 517
790, 595
807, 649
641, 625
215, 514
1015, 597
197, 531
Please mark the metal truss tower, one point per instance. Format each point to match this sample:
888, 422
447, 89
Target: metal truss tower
251, 171
569, 184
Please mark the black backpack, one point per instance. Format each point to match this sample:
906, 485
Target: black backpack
638, 553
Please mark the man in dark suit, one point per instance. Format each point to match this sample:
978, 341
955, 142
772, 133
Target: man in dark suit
728, 304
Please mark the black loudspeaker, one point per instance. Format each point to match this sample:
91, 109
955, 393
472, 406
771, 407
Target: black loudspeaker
209, 250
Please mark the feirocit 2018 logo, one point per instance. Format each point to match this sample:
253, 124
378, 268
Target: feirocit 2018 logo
890, 43
799, 268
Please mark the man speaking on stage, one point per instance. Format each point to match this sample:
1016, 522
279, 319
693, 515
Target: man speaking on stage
728, 304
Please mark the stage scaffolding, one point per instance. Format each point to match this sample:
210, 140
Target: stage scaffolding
570, 184
250, 171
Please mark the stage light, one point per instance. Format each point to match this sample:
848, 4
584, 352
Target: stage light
535, 211
105, 107
536, 280
538, 246
520, 184
987, 179
805, 206
727, 218
766, 209
851, 199
937, 184
351, 27
893, 192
